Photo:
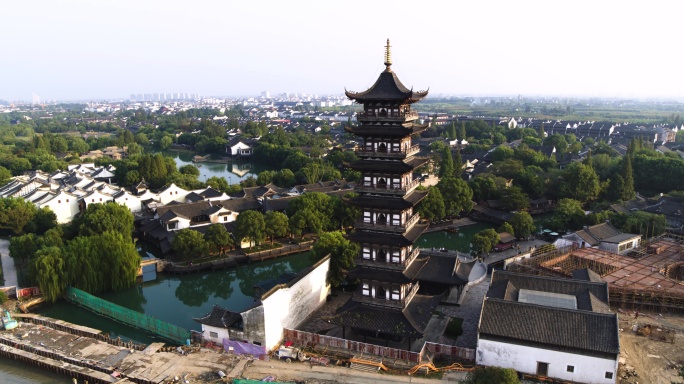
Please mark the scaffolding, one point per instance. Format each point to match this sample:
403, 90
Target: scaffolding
648, 279
128, 316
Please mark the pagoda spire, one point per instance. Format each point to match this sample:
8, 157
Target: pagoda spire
388, 56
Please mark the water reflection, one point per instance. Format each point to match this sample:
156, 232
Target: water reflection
196, 289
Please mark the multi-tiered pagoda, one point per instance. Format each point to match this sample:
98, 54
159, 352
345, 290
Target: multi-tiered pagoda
390, 271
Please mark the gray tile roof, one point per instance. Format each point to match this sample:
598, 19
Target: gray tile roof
547, 327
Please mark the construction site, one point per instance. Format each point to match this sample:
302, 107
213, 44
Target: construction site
650, 278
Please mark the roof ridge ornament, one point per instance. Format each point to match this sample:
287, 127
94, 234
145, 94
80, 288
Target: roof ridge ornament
388, 56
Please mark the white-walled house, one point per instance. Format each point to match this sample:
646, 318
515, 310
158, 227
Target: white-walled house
281, 303
549, 326
606, 238
63, 204
129, 200
172, 193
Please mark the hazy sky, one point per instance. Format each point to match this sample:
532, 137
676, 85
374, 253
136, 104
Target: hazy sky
109, 49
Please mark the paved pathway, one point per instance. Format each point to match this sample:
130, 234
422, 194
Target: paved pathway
469, 311
9, 272
316, 374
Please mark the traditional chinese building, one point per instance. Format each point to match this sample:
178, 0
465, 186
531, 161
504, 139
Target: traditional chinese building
398, 288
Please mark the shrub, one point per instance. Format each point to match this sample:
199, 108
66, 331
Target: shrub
490, 375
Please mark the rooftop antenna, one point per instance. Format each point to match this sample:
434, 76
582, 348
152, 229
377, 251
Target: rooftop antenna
388, 56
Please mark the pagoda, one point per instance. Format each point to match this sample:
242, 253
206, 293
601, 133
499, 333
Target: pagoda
387, 304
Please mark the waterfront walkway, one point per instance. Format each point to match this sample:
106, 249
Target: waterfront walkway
9, 271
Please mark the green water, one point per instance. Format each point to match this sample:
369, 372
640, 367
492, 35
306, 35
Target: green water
232, 172
16, 372
178, 299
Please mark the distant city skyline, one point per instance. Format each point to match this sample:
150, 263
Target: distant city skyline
81, 50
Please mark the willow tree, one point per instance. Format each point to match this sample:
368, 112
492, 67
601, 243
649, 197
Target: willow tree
49, 272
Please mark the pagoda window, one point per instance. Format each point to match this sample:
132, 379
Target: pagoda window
396, 258
396, 220
366, 217
381, 255
366, 253
382, 183
380, 293
396, 293
382, 219
382, 147
365, 289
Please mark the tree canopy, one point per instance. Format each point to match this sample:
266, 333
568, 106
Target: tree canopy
342, 254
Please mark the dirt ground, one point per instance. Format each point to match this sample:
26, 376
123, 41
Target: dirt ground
653, 361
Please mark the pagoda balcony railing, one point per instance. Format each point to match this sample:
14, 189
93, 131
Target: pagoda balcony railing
370, 188
387, 115
362, 152
360, 297
401, 228
387, 265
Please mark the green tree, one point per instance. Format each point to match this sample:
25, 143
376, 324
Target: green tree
432, 207
218, 183
485, 240
15, 213
342, 254
120, 259
502, 153
189, 169
218, 238
44, 220
491, 375
457, 195
5, 175
515, 199
284, 178
446, 165
580, 182
100, 218
344, 214
250, 227
277, 224
50, 275
628, 178
569, 215
644, 223
506, 227
523, 225
190, 245
165, 142
320, 209
265, 177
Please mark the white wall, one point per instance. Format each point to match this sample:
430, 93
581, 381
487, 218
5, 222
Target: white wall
289, 307
221, 332
524, 359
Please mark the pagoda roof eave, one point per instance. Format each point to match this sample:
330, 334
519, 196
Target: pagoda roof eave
387, 88
406, 129
386, 238
384, 202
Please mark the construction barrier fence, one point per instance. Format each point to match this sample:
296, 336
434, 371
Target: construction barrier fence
127, 316
447, 351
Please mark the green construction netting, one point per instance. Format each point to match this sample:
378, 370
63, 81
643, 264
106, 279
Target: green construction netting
128, 316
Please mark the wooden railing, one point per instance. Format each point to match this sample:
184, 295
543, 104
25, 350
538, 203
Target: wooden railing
387, 115
412, 150
368, 187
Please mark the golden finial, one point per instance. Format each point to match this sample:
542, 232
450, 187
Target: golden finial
388, 55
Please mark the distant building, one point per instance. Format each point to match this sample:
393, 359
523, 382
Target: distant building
606, 238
